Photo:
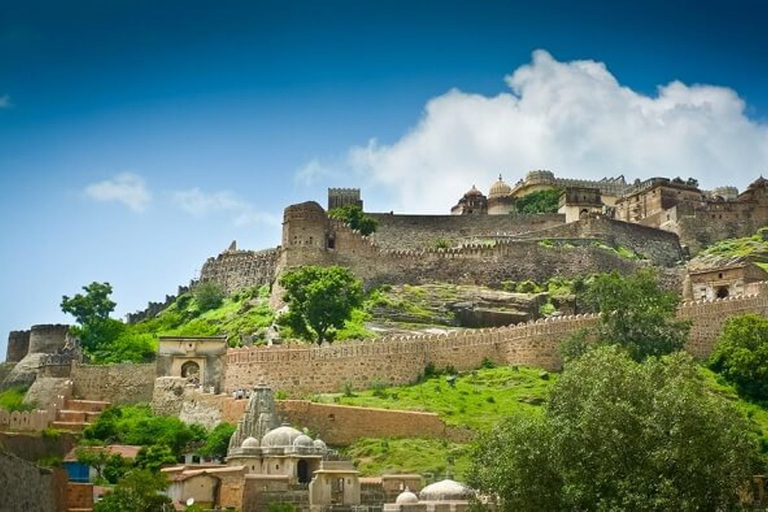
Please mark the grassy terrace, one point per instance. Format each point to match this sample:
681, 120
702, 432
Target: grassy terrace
478, 400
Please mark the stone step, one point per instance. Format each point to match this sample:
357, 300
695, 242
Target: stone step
70, 426
76, 416
86, 405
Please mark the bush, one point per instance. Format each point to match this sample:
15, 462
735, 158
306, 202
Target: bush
208, 295
12, 399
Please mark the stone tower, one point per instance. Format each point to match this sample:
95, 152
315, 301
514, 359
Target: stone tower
260, 417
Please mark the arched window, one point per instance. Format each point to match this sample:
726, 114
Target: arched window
189, 369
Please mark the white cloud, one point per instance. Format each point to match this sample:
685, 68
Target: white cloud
198, 203
573, 118
312, 172
127, 188
5, 101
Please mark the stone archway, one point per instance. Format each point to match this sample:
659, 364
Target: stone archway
302, 472
189, 369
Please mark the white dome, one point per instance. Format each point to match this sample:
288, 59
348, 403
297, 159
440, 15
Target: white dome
280, 437
319, 444
446, 490
250, 442
406, 497
303, 441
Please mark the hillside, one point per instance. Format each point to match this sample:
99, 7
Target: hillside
478, 401
753, 248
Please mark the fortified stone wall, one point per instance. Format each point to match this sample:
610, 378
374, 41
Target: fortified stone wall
397, 232
116, 383
400, 360
474, 265
30, 488
729, 220
661, 247
154, 308
234, 270
47, 339
18, 346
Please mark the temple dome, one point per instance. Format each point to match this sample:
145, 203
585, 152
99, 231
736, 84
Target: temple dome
406, 498
499, 189
319, 444
446, 490
473, 192
281, 437
303, 441
250, 442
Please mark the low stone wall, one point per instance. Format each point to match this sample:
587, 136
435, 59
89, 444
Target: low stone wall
116, 383
37, 420
341, 425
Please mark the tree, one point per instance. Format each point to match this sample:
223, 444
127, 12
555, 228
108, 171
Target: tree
621, 435
153, 457
218, 441
353, 215
91, 308
139, 491
741, 355
637, 314
320, 300
541, 201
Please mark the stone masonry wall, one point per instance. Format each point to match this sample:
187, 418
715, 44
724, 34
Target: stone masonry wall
116, 383
400, 360
507, 260
27, 488
397, 232
661, 247
340, 425
18, 346
234, 270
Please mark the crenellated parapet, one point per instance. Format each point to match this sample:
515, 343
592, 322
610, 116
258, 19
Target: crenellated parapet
401, 359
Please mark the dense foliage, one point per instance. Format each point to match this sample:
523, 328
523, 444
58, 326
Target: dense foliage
245, 312
636, 314
217, 443
353, 215
741, 355
621, 435
541, 201
320, 300
139, 491
208, 295
137, 425
12, 399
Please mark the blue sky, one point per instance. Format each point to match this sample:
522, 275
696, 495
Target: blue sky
139, 138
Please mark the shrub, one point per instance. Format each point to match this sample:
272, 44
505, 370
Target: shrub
208, 295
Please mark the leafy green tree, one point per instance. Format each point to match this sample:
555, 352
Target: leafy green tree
139, 491
91, 310
154, 457
353, 215
621, 435
208, 295
218, 441
320, 300
541, 201
741, 355
637, 314
92, 307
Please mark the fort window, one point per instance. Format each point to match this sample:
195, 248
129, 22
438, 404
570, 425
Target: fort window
722, 292
720, 275
331, 242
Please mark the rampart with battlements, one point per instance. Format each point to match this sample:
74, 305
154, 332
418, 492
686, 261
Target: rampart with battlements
400, 360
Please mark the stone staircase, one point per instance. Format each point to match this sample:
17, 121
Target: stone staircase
78, 414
